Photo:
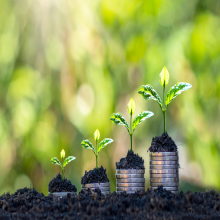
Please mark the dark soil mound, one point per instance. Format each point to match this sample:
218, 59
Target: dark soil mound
163, 143
131, 161
59, 185
95, 176
159, 204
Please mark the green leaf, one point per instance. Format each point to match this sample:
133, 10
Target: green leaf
55, 161
104, 143
141, 117
164, 77
131, 107
147, 92
68, 160
88, 145
118, 119
176, 90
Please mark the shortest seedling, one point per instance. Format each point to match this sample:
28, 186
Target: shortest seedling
54, 160
88, 145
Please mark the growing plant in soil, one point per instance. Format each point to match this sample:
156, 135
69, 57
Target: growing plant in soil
62, 164
147, 92
98, 147
118, 119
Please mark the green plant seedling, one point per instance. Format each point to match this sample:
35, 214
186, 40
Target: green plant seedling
88, 145
118, 119
147, 92
54, 160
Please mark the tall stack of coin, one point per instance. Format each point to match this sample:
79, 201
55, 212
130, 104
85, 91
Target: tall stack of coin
104, 187
164, 170
130, 180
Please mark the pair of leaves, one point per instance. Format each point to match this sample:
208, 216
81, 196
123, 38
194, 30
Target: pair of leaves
118, 119
88, 145
55, 161
147, 92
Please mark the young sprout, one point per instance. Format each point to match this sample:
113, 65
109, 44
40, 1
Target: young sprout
54, 160
118, 119
88, 145
147, 92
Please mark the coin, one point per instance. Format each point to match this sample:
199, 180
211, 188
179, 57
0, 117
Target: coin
95, 185
163, 180
131, 180
165, 171
167, 188
161, 167
165, 158
130, 171
165, 184
153, 175
130, 184
123, 176
130, 189
164, 162
102, 189
159, 154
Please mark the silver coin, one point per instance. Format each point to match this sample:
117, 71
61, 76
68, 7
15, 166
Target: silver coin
175, 192
130, 171
165, 184
160, 154
101, 188
130, 188
131, 180
96, 185
158, 175
125, 176
163, 180
62, 194
176, 158
164, 162
165, 171
130, 184
128, 191
167, 188
162, 167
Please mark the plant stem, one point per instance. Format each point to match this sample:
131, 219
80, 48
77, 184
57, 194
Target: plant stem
164, 121
96, 157
62, 169
164, 111
131, 131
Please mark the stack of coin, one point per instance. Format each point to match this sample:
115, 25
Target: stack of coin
104, 187
164, 170
130, 180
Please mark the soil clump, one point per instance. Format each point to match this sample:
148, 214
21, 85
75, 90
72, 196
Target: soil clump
92, 205
95, 176
59, 185
163, 143
131, 161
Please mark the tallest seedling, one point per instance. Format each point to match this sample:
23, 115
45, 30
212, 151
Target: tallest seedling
147, 92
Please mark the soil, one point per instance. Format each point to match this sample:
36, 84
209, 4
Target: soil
92, 205
163, 143
95, 176
59, 185
131, 161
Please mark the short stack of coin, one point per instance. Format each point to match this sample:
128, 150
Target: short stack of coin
130, 180
164, 170
104, 187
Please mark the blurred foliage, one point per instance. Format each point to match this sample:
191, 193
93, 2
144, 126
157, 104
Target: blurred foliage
66, 66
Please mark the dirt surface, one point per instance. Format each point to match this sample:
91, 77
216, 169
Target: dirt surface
163, 143
131, 161
156, 205
95, 176
59, 185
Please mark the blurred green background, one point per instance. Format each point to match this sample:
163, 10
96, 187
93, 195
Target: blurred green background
66, 66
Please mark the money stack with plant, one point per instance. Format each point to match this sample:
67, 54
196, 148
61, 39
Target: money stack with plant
98, 174
60, 183
132, 160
